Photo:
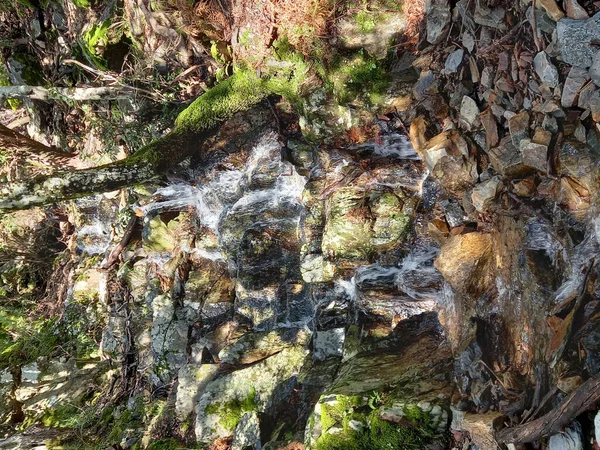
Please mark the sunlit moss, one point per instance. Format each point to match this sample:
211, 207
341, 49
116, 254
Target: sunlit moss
231, 412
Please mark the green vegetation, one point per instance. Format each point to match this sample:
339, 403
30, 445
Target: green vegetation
357, 76
232, 411
362, 428
93, 42
366, 21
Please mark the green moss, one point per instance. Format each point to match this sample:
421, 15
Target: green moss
366, 21
165, 444
376, 434
358, 76
31, 72
231, 412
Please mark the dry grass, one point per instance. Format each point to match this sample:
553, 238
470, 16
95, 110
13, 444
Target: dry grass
414, 13
304, 22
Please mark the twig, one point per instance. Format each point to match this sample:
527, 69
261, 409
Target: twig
536, 39
114, 254
501, 41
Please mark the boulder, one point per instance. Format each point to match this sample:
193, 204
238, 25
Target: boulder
192, 379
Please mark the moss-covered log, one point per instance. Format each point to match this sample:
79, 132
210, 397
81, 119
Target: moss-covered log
194, 124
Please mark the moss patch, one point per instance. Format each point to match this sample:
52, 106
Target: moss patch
353, 426
231, 412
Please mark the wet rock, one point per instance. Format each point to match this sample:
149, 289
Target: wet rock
438, 19
358, 225
192, 379
454, 213
518, 126
469, 113
247, 433
484, 194
329, 343
255, 346
159, 236
453, 61
545, 69
481, 427
534, 155
316, 269
570, 439
575, 40
579, 162
597, 427
575, 10
463, 261
396, 358
575, 81
552, 9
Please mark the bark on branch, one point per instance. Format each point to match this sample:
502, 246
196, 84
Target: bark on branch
582, 399
80, 94
194, 124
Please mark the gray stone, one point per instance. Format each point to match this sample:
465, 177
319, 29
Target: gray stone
454, 61
575, 11
507, 159
534, 155
426, 84
575, 81
490, 17
481, 427
469, 113
575, 38
438, 19
585, 95
543, 22
597, 427
329, 344
549, 123
247, 433
569, 439
484, 194
595, 68
468, 41
545, 69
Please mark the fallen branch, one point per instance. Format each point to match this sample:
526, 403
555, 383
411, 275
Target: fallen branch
584, 398
114, 254
81, 94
